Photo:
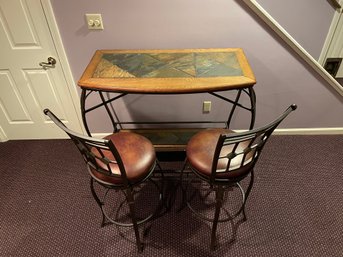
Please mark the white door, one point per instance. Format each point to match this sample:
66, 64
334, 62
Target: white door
26, 88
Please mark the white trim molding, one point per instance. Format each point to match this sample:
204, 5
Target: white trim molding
309, 131
3, 137
50, 18
284, 35
304, 131
281, 131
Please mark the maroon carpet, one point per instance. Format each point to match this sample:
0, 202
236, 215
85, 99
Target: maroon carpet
295, 208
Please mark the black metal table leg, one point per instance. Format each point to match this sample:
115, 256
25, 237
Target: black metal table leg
83, 110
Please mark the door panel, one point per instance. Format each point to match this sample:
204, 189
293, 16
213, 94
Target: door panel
19, 29
42, 90
26, 88
9, 96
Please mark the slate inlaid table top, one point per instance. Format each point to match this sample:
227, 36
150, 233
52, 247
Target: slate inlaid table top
168, 71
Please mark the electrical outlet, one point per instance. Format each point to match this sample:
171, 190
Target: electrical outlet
94, 21
206, 106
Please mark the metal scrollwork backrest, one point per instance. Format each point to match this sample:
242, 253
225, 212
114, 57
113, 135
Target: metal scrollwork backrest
236, 151
99, 154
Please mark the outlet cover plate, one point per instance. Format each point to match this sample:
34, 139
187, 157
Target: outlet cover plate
94, 21
206, 107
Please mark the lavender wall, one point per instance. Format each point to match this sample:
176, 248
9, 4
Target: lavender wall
282, 77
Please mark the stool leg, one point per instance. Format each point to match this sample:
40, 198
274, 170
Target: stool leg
247, 193
183, 191
130, 201
219, 203
97, 201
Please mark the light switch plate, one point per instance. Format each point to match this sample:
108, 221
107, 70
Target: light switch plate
94, 21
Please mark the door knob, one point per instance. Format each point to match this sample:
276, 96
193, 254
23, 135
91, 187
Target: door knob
51, 62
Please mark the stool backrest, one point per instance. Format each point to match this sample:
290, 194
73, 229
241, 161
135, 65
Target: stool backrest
239, 152
95, 152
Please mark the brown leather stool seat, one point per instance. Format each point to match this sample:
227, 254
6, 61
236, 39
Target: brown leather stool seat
137, 154
200, 152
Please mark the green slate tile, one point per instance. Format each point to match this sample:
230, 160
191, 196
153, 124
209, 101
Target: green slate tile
218, 70
184, 62
166, 65
217, 65
137, 64
167, 72
172, 57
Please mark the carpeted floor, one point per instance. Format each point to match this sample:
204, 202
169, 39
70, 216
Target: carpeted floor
295, 208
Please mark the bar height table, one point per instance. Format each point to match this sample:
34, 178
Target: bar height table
178, 71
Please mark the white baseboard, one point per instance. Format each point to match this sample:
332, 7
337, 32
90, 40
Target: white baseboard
309, 131
289, 131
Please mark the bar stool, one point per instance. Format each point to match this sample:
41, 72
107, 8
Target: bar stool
223, 158
121, 161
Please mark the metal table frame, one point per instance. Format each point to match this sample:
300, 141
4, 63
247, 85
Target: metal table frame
107, 99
